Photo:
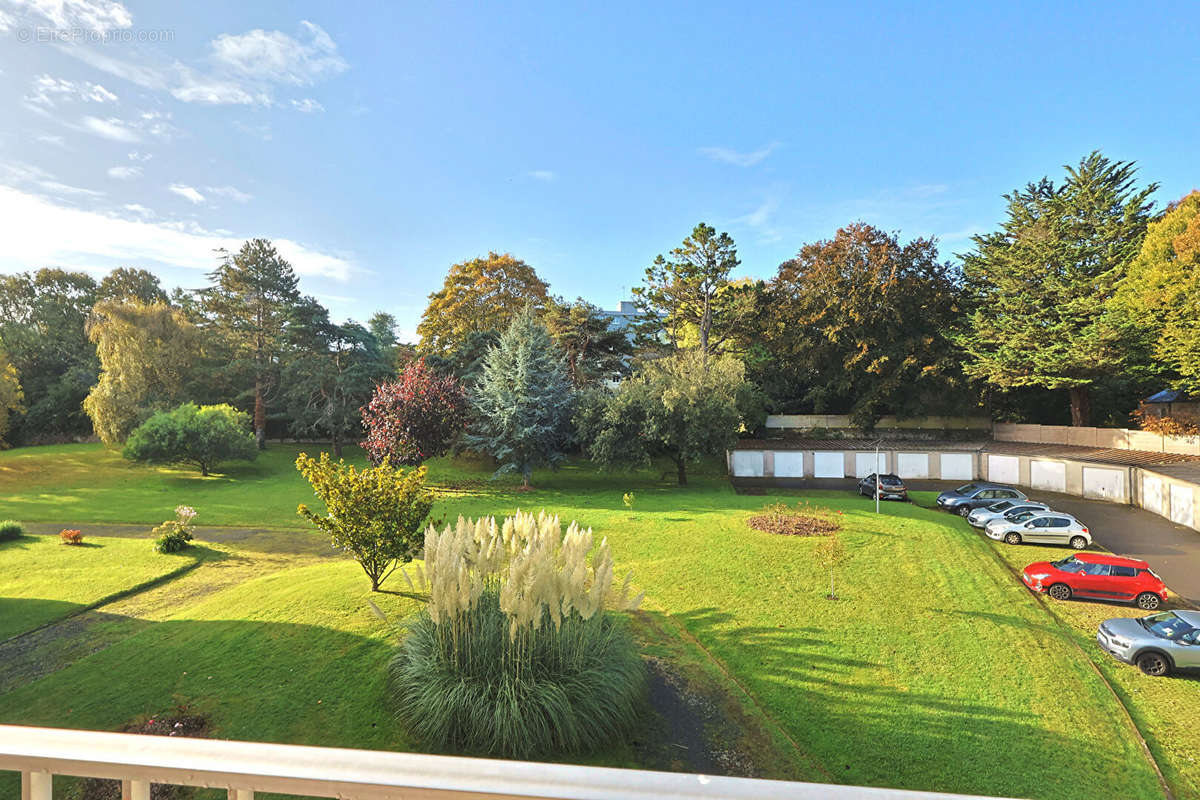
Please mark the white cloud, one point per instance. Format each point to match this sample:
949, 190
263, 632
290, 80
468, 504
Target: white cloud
124, 173
96, 15
544, 175
138, 209
229, 192
53, 139
37, 231
137, 155
276, 57
7, 22
724, 154
196, 88
761, 220
307, 105
47, 91
111, 128
21, 174
186, 192
257, 131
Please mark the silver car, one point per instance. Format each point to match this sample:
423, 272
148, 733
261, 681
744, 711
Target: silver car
1040, 527
1158, 644
982, 516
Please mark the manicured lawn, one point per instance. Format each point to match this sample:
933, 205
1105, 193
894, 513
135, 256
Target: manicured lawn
42, 580
935, 669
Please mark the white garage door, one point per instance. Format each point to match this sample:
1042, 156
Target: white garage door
748, 463
829, 465
957, 467
1103, 484
1182, 508
864, 464
1003, 469
912, 465
789, 464
1048, 475
1152, 494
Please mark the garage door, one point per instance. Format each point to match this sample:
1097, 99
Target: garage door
1048, 475
864, 464
1003, 469
829, 465
1104, 484
789, 464
1152, 494
748, 463
957, 467
1182, 508
912, 465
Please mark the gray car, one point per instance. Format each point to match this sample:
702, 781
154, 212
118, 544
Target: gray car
980, 517
974, 495
1040, 527
1158, 644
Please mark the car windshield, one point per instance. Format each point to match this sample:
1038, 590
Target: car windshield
1071, 564
1003, 504
1168, 625
966, 488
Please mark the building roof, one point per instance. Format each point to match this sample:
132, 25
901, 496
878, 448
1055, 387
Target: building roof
1169, 396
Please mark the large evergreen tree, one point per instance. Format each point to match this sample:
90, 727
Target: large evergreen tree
596, 351
250, 302
1039, 284
524, 400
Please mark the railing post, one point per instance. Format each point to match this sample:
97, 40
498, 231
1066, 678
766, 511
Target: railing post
241, 794
37, 786
139, 790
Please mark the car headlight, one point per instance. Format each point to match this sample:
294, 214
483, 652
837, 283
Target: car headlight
1115, 642
1040, 576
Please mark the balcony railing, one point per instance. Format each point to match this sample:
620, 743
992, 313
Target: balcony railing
243, 768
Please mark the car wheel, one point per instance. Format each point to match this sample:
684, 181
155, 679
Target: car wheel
1155, 664
1079, 543
1060, 591
964, 510
1148, 601
1012, 538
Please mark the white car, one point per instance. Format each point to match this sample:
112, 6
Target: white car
1046, 527
982, 516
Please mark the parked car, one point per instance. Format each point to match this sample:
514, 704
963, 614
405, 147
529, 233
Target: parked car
970, 496
982, 516
1040, 527
1158, 644
1100, 576
890, 487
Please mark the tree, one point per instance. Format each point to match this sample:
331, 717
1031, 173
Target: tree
524, 400
830, 553
465, 362
382, 326
483, 294
124, 284
43, 316
11, 397
686, 291
1039, 285
204, 436
415, 417
685, 407
146, 352
250, 303
596, 351
1159, 298
861, 322
375, 513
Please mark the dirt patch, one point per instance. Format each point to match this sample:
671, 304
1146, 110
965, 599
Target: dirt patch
794, 521
183, 720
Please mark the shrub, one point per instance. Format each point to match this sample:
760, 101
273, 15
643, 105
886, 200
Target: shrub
628, 499
175, 534
415, 417
373, 513
200, 435
514, 654
802, 520
10, 529
71, 536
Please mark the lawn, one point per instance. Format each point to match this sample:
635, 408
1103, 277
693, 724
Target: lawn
935, 669
42, 580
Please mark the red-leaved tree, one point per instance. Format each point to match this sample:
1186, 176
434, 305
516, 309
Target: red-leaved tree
415, 417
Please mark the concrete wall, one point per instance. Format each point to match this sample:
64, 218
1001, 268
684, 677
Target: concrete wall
911, 462
808, 422
1177, 500
1112, 438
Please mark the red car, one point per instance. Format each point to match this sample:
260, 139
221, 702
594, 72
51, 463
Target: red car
1099, 576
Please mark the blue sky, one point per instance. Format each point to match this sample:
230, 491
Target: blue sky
378, 143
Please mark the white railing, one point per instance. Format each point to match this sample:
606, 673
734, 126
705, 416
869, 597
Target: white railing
244, 768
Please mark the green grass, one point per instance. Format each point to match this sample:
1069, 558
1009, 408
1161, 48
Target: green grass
936, 669
43, 580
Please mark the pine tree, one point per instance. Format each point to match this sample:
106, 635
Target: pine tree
524, 400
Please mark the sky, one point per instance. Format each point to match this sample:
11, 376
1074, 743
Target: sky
379, 143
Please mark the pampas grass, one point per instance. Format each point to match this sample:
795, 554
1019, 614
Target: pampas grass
515, 653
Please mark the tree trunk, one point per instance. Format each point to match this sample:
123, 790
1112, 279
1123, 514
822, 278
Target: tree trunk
1081, 406
681, 471
526, 474
374, 583
337, 446
260, 416
204, 470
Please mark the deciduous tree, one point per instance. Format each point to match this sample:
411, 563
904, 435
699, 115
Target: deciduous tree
204, 436
415, 417
12, 399
595, 350
125, 283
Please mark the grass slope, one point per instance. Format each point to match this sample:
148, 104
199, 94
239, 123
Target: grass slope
43, 580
